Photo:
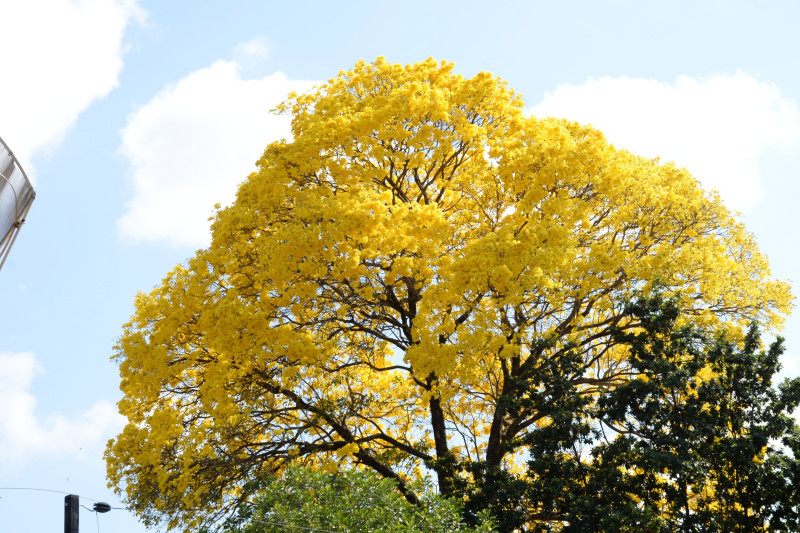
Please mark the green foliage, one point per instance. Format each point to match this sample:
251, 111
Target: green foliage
350, 501
697, 439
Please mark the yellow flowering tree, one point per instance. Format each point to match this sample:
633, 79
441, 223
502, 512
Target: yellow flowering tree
383, 280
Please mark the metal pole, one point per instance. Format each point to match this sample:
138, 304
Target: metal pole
71, 503
6, 247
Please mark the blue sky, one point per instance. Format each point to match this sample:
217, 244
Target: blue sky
134, 117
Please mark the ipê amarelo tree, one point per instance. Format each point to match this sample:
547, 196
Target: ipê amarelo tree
386, 277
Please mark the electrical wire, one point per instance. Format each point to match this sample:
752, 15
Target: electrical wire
51, 490
57, 492
96, 515
40, 490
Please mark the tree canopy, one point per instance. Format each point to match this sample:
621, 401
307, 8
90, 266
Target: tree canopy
699, 440
388, 278
351, 501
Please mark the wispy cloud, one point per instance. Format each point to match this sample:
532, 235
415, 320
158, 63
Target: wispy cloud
256, 49
26, 434
192, 144
50, 75
717, 127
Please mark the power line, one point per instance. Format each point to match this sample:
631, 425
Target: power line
96, 515
56, 492
40, 490
47, 490
97, 508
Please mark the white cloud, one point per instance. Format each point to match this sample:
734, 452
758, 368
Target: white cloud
256, 49
192, 144
716, 127
25, 435
58, 57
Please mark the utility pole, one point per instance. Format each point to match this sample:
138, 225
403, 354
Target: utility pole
71, 503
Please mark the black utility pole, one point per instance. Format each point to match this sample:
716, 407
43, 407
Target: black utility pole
71, 513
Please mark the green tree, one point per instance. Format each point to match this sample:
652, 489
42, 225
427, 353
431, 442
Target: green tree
699, 440
350, 501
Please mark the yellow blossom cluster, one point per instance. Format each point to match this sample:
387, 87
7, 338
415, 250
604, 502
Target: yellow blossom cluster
384, 275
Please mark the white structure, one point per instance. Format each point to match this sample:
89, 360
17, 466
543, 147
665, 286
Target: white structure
16, 196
